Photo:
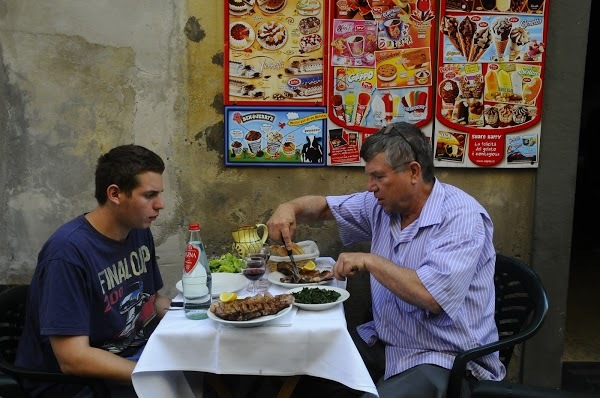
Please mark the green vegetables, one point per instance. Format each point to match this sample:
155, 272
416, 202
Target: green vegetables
315, 296
226, 263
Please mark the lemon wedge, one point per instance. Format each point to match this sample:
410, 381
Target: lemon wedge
227, 297
310, 265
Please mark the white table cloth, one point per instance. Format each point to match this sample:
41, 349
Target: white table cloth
301, 342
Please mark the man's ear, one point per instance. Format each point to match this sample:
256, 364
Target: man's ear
112, 193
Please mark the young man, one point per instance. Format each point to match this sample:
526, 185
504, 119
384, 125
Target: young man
431, 265
93, 299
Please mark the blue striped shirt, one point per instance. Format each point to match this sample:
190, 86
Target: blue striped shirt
450, 247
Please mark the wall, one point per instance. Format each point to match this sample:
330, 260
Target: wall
77, 78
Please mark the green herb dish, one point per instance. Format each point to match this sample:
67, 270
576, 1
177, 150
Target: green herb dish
226, 263
318, 298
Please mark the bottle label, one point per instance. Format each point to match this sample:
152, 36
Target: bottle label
192, 254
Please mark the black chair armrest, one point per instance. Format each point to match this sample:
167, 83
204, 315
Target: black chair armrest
97, 385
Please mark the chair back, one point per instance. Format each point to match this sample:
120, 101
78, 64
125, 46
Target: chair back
13, 303
521, 307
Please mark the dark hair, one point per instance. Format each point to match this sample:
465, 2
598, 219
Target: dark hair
402, 143
121, 166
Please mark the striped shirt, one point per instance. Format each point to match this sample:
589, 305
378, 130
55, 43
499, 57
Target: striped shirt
450, 247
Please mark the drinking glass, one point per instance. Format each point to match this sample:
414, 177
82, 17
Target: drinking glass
263, 284
254, 268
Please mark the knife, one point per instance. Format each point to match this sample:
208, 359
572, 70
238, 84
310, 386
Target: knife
294, 265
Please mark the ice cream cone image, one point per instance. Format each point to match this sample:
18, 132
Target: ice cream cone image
481, 42
500, 48
514, 51
466, 31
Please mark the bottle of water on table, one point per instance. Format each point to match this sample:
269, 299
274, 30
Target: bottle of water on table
197, 279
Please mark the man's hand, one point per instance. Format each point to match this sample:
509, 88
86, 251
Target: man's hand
349, 264
282, 224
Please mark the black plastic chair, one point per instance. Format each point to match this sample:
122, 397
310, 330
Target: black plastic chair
521, 307
12, 318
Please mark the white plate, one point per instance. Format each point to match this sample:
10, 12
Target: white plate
309, 247
223, 282
320, 307
252, 322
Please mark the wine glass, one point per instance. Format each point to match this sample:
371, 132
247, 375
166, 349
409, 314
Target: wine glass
263, 283
254, 268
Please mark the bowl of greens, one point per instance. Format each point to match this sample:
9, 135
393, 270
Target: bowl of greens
318, 298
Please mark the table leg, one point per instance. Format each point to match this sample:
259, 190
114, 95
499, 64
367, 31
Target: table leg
287, 389
216, 383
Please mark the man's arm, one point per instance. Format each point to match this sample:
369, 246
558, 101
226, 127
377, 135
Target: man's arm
161, 303
282, 224
76, 357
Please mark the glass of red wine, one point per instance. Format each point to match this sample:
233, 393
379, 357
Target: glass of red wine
254, 268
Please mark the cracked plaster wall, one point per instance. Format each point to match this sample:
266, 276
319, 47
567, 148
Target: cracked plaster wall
77, 78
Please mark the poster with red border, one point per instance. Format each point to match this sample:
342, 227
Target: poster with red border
275, 52
381, 71
490, 74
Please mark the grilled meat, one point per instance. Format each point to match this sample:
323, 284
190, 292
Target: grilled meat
314, 276
251, 307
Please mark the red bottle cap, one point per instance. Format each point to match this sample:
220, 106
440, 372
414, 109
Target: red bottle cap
194, 227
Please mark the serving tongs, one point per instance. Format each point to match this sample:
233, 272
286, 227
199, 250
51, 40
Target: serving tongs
295, 272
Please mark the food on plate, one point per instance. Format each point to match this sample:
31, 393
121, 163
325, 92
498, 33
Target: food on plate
280, 250
226, 263
271, 6
251, 307
310, 265
466, 31
239, 7
315, 296
305, 275
272, 35
227, 297
241, 35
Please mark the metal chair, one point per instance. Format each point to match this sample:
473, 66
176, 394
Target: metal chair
521, 306
12, 318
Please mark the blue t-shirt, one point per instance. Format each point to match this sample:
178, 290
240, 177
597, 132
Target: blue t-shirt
87, 284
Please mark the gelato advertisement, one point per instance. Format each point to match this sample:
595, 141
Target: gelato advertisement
490, 74
274, 136
381, 70
274, 52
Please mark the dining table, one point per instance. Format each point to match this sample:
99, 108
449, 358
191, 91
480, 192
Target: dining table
301, 342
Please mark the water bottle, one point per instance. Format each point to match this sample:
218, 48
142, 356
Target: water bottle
197, 279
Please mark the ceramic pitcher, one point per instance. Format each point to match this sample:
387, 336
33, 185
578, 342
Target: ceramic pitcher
246, 239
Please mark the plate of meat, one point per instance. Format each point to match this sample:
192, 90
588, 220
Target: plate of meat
283, 276
251, 311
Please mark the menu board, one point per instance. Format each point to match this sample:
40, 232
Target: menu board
490, 70
381, 70
274, 52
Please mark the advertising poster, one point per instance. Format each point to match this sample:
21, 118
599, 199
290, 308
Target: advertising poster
381, 71
274, 52
275, 136
490, 75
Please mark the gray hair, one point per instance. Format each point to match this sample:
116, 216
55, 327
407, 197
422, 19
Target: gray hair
402, 143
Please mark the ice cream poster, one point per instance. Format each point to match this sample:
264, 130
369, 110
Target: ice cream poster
274, 52
492, 38
490, 79
380, 63
275, 136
